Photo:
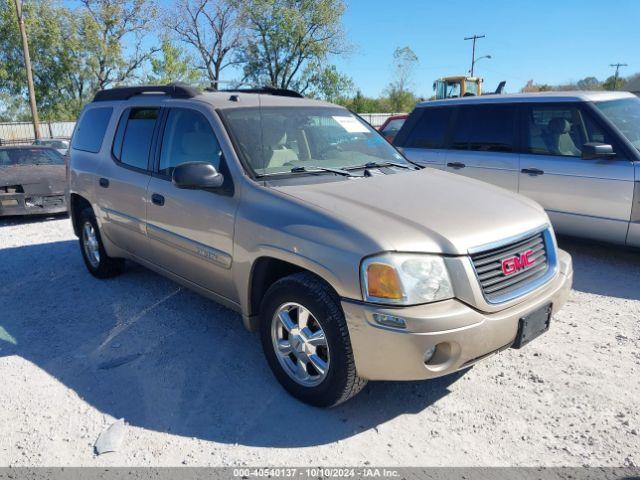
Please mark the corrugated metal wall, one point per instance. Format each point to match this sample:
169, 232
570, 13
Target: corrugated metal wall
22, 132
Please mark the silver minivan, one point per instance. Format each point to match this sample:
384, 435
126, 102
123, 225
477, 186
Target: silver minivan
575, 153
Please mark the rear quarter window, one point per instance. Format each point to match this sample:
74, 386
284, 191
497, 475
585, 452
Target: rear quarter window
91, 130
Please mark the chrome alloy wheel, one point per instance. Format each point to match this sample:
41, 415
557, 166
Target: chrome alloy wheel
300, 344
90, 244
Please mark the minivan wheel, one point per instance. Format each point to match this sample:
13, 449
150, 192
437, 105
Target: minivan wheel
305, 339
94, 255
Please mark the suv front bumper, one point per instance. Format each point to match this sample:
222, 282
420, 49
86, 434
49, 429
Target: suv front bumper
463, 334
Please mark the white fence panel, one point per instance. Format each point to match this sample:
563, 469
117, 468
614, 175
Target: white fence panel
22, 132
377, 119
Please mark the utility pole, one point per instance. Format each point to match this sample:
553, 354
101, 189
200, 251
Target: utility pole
27, 65
615, 78
473, 51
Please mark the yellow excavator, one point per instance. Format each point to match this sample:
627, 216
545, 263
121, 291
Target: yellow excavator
461, 86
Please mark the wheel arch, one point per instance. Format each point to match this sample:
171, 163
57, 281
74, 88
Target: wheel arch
77, 203
268, 269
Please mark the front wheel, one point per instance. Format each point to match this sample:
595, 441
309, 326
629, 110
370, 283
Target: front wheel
305, 339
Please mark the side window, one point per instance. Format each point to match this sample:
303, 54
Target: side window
133, 138
188, 137
554, 130
493, 129
594, 132
485, 128
91, 129
393, 127
462, 128
431, 129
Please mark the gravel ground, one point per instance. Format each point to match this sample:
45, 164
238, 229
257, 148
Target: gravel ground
77, 353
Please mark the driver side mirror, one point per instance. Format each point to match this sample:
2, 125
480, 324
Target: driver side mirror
196, 175
596, 150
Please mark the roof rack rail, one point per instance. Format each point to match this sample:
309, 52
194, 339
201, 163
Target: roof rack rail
280, 92
174, 90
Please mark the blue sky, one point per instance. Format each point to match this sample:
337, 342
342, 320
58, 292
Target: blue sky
544, 40
549, 41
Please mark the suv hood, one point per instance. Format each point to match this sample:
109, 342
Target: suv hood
425, 211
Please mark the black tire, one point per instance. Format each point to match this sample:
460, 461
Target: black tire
341, 381
107, 266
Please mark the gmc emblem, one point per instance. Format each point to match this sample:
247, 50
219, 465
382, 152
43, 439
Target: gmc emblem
515, 264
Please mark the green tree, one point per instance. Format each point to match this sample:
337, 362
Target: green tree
330, 85
114, 33
400, 97
589, 83
74, 52
55, 48
360, 103
172, 66
289, 42
610, 83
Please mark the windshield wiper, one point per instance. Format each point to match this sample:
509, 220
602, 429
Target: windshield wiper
314, 168
383, 164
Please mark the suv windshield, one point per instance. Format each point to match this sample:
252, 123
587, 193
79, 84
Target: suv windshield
625, 115
275, 140
30, 156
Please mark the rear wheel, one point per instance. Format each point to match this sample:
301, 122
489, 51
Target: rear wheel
305, 339
94, 255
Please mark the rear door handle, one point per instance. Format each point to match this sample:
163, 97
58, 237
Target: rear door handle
532, 171
157, 199
456, 165
104, 182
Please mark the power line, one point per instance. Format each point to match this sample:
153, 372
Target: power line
615, 78
473, 50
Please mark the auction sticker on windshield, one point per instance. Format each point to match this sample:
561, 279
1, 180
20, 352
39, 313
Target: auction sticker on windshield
351, 124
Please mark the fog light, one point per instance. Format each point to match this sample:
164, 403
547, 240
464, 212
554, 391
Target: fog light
429, 353
389, 320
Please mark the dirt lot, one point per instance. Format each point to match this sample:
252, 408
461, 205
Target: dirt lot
77, 353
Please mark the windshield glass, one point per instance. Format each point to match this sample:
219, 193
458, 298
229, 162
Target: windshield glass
453, 89
275, 140
30, 156
471, 87
625, 115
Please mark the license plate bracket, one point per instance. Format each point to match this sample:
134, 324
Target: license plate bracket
533, 325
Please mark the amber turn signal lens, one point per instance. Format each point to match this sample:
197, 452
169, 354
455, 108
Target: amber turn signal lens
383, 281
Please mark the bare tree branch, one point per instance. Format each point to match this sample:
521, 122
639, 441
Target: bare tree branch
212, 28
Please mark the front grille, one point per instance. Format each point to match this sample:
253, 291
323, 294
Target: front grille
488, 265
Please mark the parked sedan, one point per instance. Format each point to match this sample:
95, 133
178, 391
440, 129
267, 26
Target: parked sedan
392, 126
32, 181
60, 144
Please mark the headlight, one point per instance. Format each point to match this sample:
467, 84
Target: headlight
405, 279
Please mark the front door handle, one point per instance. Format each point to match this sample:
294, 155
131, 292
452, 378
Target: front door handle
157, 199
456, 165
532, 171
104, 182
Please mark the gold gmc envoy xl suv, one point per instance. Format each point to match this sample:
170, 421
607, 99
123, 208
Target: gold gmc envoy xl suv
352, 263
